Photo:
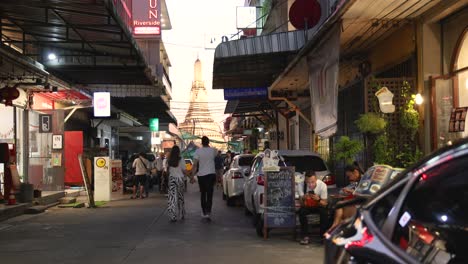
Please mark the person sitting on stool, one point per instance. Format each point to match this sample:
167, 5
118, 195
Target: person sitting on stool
314, 199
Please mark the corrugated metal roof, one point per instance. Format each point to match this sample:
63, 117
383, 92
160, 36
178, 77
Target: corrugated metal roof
80, 33
274, 43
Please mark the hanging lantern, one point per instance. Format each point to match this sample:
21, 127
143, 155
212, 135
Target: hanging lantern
9, 94
385, 100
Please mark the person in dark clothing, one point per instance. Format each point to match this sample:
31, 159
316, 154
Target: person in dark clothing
219, 167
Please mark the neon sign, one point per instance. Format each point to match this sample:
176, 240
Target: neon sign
146, 18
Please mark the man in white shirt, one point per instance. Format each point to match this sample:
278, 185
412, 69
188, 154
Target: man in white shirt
314, 199
204, 159
141, 166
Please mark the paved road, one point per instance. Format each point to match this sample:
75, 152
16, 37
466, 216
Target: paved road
138, 231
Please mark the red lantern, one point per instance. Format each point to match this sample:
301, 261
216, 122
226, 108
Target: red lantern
9, 94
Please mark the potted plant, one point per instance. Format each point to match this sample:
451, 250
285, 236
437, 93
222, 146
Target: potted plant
347, 149
371, 123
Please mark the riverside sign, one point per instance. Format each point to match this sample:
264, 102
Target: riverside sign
146, 18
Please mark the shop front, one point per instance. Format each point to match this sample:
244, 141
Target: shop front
449, 90
46, 145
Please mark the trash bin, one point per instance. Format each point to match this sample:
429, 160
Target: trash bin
26, 193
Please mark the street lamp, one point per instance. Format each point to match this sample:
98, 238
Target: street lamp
52, 56
418, 99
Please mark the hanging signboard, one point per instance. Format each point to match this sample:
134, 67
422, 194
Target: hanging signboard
146, 18
246, 17
154, 124
246, 93
45, 123
102, 104
280, 211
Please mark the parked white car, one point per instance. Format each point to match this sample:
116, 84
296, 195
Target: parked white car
302, 160
234, 178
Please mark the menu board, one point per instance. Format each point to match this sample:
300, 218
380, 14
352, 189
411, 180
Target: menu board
117, 179
457, 119
279, 198
375, 178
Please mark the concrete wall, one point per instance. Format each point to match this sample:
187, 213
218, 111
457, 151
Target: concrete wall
452, 28
6, 129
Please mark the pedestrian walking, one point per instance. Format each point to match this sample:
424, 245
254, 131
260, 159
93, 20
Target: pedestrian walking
204, 159
141, 165
177, 172
159, 170
219, 167
165, 174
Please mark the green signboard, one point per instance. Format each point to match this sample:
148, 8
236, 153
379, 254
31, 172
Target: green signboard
154, 124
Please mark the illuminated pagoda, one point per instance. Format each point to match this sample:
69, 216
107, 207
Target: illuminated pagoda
198, 121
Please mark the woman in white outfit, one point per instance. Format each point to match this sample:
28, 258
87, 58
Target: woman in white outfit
177, 173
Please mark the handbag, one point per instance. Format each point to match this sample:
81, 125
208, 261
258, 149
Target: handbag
146, 168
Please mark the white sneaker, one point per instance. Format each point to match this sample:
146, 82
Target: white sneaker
203, 215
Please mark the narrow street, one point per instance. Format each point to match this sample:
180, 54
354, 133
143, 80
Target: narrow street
138, 231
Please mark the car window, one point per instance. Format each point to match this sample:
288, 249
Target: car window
245, 161
433, 222
233, 163
305, 163
257, 166
382, 208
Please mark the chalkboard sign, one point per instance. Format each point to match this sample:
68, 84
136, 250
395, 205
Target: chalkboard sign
280, 199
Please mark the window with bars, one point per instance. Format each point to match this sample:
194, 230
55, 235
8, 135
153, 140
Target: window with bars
323, 148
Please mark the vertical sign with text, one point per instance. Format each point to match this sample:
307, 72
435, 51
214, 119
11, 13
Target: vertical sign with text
154, 124
45, 123
280, 199
146, 18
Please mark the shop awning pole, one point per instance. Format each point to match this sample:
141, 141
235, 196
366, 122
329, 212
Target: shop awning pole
70, 114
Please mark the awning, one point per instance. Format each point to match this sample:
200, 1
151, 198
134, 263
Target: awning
144, 108
20, 68
90, 40
72, 97
256, 61
243, 107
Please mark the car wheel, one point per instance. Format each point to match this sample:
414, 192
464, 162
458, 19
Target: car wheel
255, 215
229, 200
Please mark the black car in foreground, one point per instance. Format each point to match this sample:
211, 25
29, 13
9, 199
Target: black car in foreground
421, 217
